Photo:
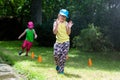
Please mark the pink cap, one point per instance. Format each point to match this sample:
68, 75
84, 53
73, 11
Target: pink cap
30, 24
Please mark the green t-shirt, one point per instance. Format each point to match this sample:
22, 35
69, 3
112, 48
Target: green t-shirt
30, 35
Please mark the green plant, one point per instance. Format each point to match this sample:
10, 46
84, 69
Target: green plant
91, 39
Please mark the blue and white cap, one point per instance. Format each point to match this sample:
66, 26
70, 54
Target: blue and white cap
64, 12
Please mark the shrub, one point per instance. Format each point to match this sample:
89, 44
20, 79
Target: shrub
91, 39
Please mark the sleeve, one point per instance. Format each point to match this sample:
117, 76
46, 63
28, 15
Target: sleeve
33, 30
26, 30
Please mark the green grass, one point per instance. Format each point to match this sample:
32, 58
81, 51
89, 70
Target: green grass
106, 66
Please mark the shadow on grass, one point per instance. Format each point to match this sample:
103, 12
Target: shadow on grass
70, 75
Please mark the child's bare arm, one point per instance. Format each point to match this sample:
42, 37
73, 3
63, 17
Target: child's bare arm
35, 34
55, 26
69, 25
22, 35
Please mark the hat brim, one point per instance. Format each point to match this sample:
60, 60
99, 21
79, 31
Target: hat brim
30, 26
63, 14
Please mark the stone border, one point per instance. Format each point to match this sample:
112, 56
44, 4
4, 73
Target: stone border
8, 73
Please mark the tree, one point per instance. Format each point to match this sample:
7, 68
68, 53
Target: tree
36, 11
15, 13
103, 13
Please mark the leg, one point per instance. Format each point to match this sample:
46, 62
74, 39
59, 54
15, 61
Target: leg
23, 47
56, 55
61, 63
29, 45
64, 51
56, 61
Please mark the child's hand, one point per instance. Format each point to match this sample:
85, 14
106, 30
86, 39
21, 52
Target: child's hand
19, 37
67, 57
70, 24
35, 36
57, 22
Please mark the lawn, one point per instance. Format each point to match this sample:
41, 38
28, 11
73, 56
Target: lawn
105, 65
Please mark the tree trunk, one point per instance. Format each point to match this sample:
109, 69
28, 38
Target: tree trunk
36, 11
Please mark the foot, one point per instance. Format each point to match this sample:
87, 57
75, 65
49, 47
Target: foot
20, 52
26, 55
61, 72
57, 68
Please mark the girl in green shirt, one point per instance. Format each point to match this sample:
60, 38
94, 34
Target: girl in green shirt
30, 35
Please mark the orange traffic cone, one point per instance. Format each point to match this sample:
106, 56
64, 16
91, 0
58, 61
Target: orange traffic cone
32, 55
89, 62
39, 58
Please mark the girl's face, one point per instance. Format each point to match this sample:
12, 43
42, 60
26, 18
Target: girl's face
61, 18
